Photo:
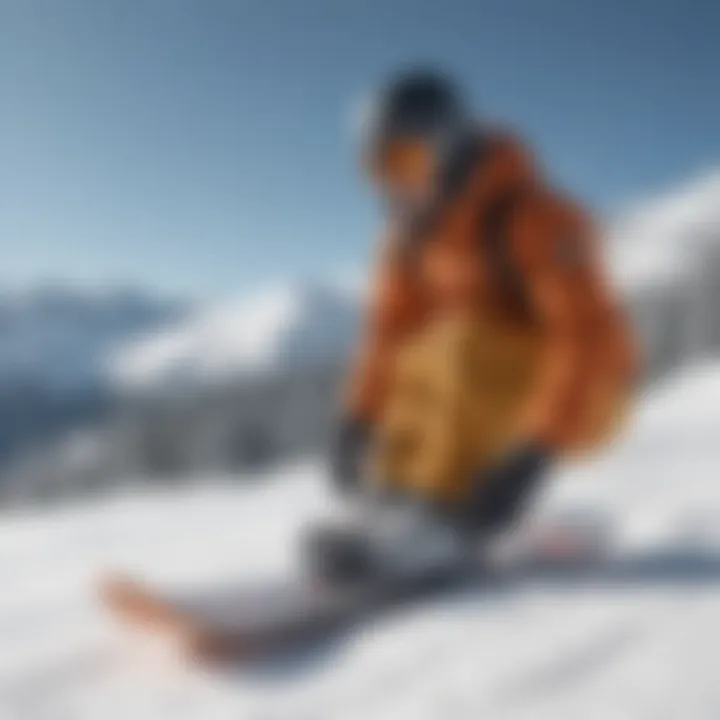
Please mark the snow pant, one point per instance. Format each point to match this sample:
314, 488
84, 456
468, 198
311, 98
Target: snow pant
457, 396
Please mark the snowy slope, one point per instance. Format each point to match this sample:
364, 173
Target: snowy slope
281, 328
285, 326
646, 644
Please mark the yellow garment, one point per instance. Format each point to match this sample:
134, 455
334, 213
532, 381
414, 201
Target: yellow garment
457, 396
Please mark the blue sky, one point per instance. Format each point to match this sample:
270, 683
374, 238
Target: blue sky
201, 147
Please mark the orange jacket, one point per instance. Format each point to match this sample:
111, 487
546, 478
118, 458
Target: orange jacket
552, 249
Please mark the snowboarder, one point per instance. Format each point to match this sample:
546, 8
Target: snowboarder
488, 282
493, 348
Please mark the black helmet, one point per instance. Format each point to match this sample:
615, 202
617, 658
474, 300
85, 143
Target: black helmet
420, 103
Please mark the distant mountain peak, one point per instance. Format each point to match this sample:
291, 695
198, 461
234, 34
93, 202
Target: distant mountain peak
658, 236
274, 330
58, 336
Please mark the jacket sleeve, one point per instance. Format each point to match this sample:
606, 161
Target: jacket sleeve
555, 246
392, 311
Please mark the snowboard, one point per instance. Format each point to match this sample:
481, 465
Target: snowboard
249, 622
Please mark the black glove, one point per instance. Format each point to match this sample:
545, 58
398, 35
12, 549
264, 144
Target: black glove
500, 492
347, 454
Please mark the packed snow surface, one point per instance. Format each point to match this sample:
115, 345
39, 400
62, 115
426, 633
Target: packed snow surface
643, 644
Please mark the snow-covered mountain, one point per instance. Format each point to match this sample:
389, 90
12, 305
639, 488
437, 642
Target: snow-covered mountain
659, 237
283, 328
289, 326
61, 337
58, 338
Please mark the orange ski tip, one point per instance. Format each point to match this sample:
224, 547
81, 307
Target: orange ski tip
116, 588
109, 582
209, 647
139, 606
133, 601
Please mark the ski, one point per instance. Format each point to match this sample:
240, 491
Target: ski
250, 622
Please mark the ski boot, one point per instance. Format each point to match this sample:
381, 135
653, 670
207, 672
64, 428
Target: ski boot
399, 541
